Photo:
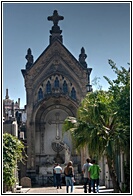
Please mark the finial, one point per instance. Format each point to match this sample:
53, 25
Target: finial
29, 58
55, 31
82, 57
7, 97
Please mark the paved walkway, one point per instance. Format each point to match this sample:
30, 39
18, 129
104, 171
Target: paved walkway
53, 190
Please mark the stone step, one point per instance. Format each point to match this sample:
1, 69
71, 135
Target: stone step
102, 189
106, 191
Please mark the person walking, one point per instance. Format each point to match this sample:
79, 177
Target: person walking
58, 172
87, 181
94, 172
69, 176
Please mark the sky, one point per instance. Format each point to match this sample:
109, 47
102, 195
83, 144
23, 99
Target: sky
103, 29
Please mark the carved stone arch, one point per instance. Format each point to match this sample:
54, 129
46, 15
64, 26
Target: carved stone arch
49, 73
56, 82
46, 122
69, 107
70, 82
65, 86
36, 90
40, 94
73, 93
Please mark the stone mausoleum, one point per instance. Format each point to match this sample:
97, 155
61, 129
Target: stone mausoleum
55, 85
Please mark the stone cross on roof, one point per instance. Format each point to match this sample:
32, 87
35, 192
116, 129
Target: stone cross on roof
55, 18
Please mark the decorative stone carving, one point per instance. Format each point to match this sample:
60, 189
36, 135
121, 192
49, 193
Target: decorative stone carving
29, 58
57, 121
67, 153
49, 160
55, 18
57, 146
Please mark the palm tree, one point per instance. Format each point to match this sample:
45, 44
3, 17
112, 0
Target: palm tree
97, 126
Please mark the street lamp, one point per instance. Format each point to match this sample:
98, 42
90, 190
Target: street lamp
89, 88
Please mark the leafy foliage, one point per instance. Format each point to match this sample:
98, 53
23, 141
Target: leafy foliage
12, 153
120, 89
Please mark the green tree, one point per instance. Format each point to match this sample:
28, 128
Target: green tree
99, 127
13, 150
120, 89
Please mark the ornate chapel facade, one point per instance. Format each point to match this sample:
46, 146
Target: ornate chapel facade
55, 85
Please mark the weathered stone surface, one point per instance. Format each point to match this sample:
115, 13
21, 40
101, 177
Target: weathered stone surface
25, 182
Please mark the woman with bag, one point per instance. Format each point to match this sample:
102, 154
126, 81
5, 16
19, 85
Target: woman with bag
69, 176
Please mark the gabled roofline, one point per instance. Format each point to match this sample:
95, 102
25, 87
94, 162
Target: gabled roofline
50, 45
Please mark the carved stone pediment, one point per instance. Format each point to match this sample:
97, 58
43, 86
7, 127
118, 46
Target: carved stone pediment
55, 57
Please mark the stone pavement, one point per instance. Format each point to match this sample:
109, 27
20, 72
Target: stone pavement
53, 190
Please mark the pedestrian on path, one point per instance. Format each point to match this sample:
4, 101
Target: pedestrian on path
94, 171
58, 172
87, 181
69, 176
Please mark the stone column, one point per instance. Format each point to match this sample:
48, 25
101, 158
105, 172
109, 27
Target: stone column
30, 127
30, 131
42, 132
